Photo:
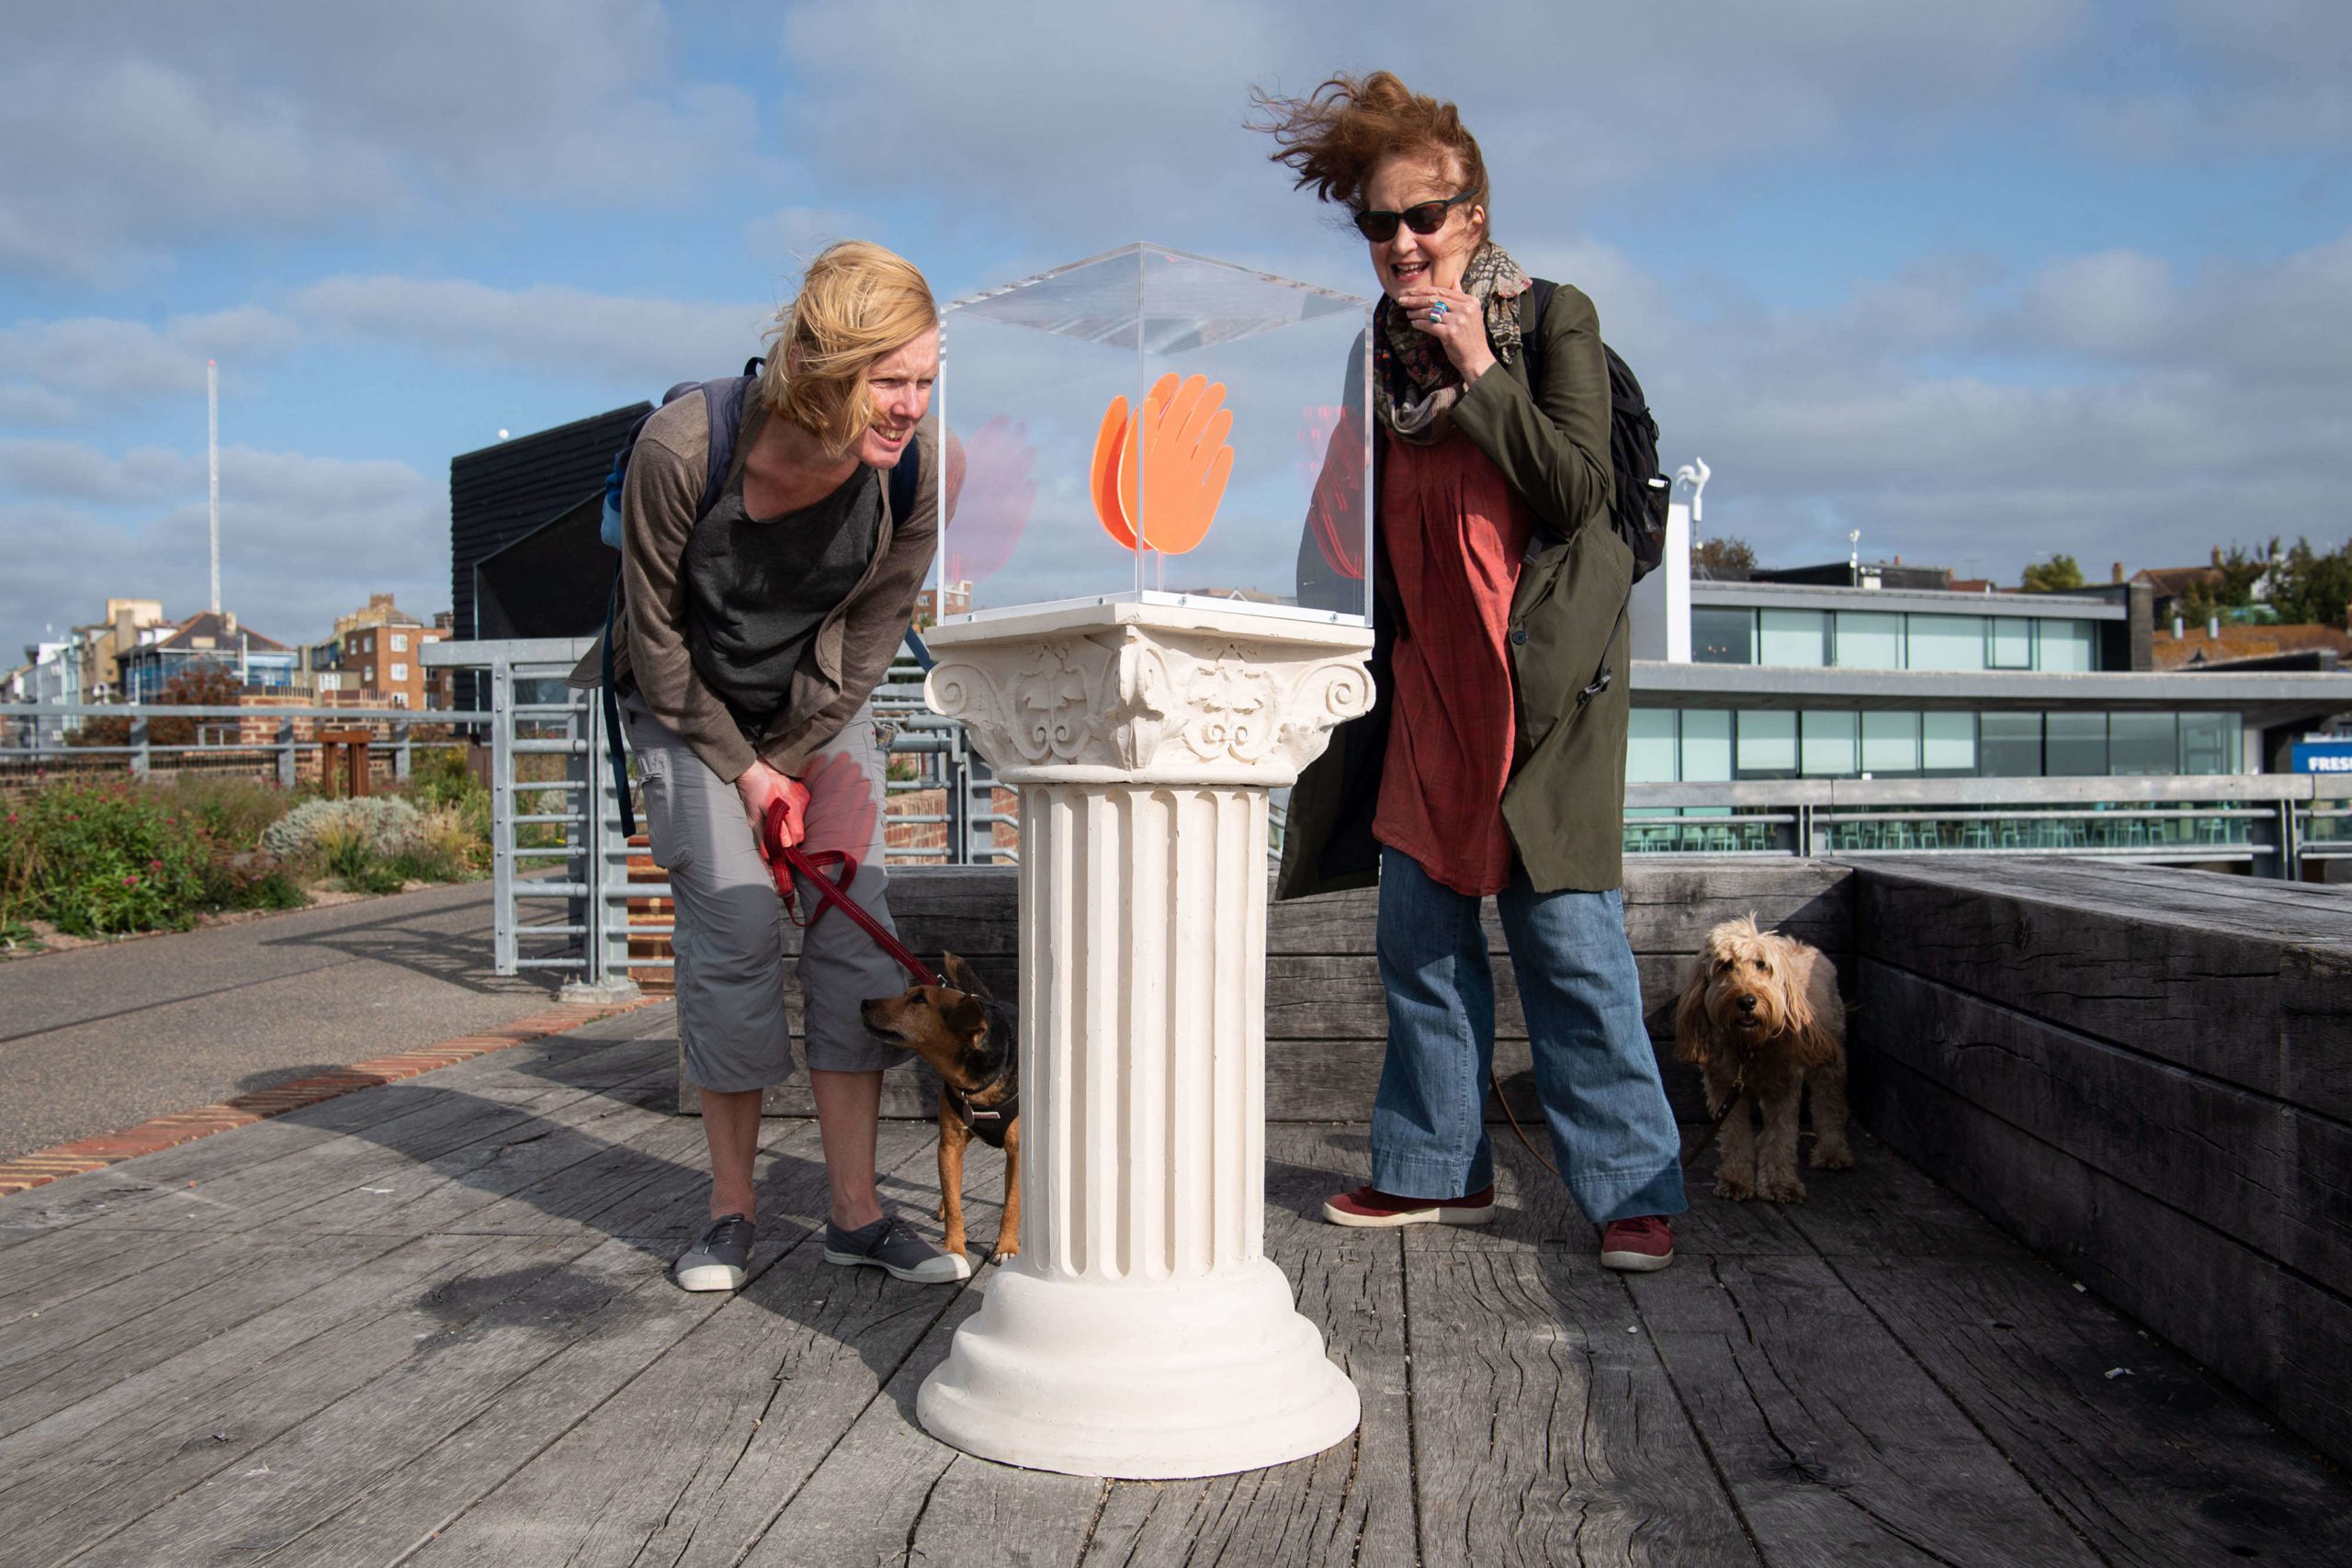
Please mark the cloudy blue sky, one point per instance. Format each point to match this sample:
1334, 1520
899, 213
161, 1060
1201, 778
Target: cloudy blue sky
1983, 281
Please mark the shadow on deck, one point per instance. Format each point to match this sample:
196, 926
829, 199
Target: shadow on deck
428, 1324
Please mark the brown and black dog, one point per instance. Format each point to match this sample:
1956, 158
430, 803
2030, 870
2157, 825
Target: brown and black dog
972, 1041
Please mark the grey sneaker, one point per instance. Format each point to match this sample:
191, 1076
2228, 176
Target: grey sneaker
717, 1261
890, 1243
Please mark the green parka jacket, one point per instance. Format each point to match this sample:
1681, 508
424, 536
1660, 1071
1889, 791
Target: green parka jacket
1565, 804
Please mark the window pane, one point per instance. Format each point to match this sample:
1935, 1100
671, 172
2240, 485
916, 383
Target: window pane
2077, 745
2010, 745
2069, 646
1706, 745
1948, 743
1947, 642
1891, 742
1830, 743
2206, 742
2142, 742
1870, 639
2012, 643
1649, 746
1723, 637
1792, 637
1768, 745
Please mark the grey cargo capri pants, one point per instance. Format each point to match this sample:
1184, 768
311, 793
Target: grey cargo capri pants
728, 938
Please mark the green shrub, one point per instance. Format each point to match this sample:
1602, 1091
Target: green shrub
98, 860
346, 852
438, 776
233, 812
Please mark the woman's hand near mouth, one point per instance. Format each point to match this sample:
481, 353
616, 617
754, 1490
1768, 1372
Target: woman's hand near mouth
1460, 329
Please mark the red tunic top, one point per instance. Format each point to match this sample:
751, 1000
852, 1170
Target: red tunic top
1455, 532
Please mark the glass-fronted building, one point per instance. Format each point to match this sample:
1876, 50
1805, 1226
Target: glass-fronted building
1792, 680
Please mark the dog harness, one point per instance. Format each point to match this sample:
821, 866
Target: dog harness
988, 1124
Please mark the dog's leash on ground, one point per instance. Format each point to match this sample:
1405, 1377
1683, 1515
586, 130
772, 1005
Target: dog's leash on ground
1706, 1139
784, 859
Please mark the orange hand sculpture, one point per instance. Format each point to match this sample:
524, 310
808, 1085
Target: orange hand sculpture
1157, 478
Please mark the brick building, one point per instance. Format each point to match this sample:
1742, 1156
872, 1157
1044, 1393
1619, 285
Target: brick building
381, 650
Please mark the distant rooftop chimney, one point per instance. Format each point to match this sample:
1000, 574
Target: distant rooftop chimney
380, 600
2115, 572
2217, 555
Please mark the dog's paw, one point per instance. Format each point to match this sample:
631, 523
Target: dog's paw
1007, 1247
1787, 1190
1733, 1188
1831, 1157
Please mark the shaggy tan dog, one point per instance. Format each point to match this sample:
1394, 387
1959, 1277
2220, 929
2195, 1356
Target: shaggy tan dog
1760, 1017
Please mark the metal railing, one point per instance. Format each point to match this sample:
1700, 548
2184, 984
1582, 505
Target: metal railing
280, 753
2271, 823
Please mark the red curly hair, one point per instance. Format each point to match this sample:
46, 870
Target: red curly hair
1335, 138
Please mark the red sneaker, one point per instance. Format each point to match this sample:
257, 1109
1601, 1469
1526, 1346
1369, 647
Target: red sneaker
1637, 1245
1369, 1207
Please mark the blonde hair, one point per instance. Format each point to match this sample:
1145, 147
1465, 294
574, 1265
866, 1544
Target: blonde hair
858, 303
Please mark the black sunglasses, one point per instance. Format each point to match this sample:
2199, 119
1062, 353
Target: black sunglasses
1425, 218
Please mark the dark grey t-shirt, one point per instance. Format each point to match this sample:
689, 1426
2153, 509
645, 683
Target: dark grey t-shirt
757, 589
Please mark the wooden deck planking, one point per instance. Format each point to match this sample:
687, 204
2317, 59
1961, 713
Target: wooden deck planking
1352, 1503
604, 1354
1839, 1450
567, 1405
2152, 1465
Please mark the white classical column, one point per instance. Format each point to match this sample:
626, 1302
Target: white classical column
1142, 1332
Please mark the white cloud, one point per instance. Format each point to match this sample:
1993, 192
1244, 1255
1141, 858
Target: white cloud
177, 123
546, 328
301, 538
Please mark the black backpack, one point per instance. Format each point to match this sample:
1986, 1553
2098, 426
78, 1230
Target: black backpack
1642, 493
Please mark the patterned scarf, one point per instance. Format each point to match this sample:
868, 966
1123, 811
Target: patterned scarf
1414, 385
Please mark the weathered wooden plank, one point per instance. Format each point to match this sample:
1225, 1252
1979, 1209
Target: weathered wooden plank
255, 1174
871, 1500
1351, 1503
81, 1480
406, 1502
2263, 1009
455, 1375
2260, 1326
138, 1323
2154, 1466
691, 1462
2268, 1176
1839, 1450
1545, 1431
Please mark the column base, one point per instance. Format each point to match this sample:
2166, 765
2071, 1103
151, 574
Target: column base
1148, 1383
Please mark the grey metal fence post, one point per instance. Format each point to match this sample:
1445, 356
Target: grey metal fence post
958, 779
501, 817
603, 942
139, 756
399, 749
288, 766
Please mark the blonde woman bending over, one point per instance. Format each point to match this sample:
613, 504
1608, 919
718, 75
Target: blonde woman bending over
751, 638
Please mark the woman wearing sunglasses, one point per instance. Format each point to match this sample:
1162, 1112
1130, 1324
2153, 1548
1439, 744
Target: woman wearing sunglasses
1494, 758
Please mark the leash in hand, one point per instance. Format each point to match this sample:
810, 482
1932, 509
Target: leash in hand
784, 859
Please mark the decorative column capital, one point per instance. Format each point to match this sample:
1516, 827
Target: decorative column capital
1141, 693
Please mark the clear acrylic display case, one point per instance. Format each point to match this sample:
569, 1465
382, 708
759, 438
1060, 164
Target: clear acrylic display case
1148, 426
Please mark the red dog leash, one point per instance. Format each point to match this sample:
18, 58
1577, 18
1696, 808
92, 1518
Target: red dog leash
784, 859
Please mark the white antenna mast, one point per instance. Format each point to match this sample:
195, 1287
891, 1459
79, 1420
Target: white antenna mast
212, 453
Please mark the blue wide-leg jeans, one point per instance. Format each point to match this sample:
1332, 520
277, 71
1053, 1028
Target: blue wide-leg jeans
1613, 1137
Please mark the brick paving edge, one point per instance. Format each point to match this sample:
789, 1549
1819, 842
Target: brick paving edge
100, 1150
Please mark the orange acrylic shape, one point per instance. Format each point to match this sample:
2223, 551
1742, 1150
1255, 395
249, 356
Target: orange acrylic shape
1157, 478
